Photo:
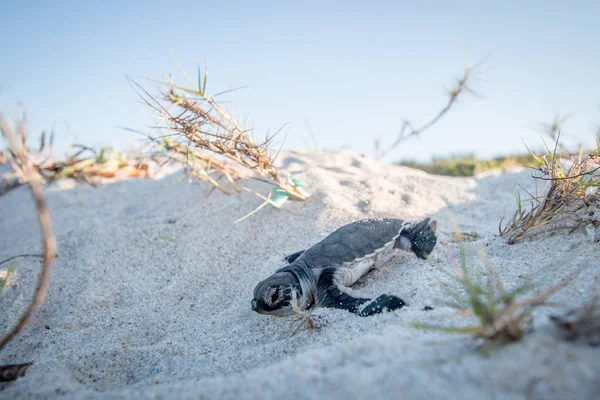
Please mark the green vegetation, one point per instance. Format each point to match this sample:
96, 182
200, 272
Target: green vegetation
571, 202
503, 316
469, 165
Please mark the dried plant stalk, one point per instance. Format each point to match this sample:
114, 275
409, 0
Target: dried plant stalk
213, 145
24, 166
85, 163
408, 130
571, 202
304, 320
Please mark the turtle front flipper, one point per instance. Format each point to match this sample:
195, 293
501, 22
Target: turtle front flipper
292, 257
331, 292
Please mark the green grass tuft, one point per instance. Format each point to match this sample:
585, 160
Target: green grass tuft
571, 202
503, 316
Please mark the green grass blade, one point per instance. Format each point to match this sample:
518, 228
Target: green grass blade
462, 301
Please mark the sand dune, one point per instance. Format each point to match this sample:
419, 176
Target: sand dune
150, 293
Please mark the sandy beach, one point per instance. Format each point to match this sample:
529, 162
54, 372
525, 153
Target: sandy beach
150, 292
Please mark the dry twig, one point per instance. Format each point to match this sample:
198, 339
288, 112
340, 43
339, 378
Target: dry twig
304, 320
552, 129
408, 130
24, 166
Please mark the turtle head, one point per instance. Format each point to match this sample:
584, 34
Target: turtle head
273, 296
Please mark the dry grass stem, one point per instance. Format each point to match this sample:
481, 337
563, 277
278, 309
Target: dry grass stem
304, 320
571, 202
408, 130
20, 256
213, 145
24, 166
552, 129
85, 163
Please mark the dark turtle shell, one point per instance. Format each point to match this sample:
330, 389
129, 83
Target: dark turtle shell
353, 242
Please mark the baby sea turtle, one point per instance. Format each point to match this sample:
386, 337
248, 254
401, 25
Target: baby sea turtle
322, 274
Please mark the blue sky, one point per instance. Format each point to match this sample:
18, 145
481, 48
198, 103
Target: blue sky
352, 73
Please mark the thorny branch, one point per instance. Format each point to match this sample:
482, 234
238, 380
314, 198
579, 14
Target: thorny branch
211, 144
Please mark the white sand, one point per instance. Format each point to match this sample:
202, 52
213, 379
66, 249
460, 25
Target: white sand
132, 314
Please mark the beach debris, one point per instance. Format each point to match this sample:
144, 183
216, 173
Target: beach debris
322, 275
12, 372
581, 323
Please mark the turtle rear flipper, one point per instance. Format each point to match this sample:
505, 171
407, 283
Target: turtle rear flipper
420, 238
331, 292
